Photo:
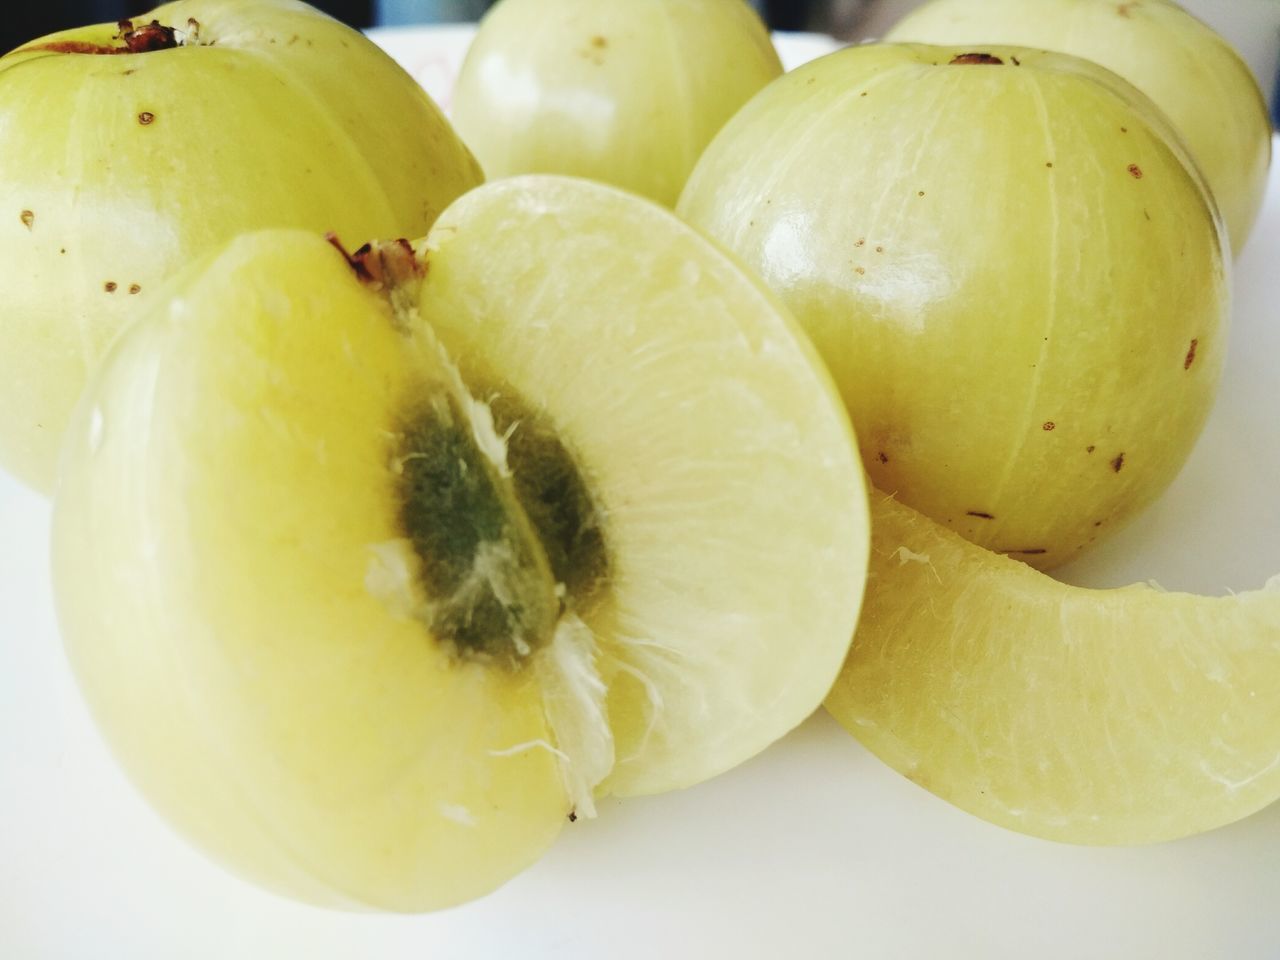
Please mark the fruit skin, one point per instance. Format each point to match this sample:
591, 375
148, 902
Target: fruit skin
1018, 282
1192, 74
1086, 716
119, 169
226, 531
627, 92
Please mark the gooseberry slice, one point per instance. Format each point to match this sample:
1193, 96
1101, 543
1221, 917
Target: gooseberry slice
374, 570
1088, 716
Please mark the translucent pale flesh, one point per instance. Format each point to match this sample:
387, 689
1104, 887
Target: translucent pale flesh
224, 503
1018, 285
1087, 716
713, 441
283, 117
627, 92
1190, 72
226, 529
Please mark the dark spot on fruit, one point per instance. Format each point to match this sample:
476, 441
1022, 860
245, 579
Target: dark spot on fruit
1097, 523
983, 59
63, 250
1118, 463
811, 81
1031, 552
860, 271
28, 218
1124, 8
1048, 425
573, 816
1049, 164
863, 93
1146, 214
861, 241
979, 514
135, 288
1124, 129
146, 118
879, 249
1135, 171
919, 193
882, 457
594, 50
128, 73
1016, 61
1191, 355
109, 286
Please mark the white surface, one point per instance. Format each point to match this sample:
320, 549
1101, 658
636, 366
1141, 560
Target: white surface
814, 849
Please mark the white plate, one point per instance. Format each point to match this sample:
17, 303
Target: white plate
814, 849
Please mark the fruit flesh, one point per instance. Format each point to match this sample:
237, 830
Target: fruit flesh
1192, 74
357, 710
656, 487
216, 641
627, 92
1087, 716
1018, 284
128, 166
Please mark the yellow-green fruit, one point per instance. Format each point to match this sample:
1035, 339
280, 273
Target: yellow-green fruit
627, 92
119, 167
1087, 716
372, 575
1191, 73
1017, 280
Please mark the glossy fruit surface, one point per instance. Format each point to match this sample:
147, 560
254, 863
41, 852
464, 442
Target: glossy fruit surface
1192, 74
628, 92
371, 580
126, 155
1017, 281
1088, 716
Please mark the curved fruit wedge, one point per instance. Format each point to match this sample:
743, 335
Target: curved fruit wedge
374, 570
1088, 716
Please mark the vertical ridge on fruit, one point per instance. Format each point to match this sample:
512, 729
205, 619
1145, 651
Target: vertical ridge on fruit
1005, 294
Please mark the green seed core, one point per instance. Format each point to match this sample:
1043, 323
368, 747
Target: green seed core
492, 547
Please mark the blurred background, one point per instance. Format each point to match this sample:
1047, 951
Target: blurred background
1252, 25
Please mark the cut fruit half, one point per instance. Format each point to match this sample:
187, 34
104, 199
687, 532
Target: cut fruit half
374, 569
1087, 716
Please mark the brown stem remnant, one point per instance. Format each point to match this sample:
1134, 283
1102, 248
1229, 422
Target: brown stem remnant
983, 59
386, 263
147, 38
144, 39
